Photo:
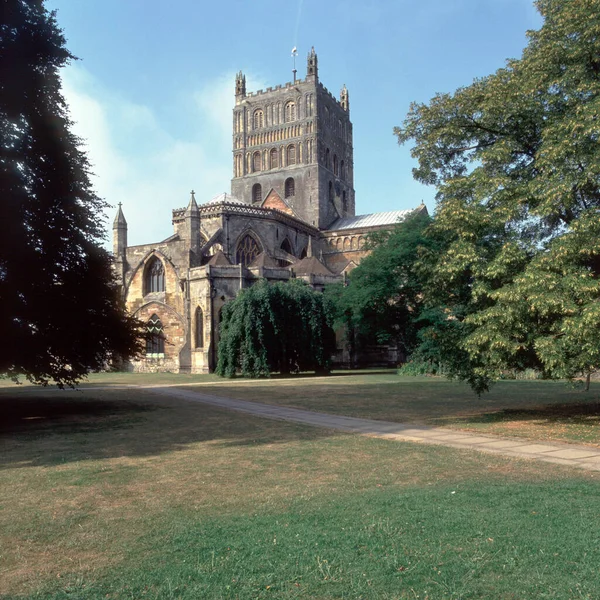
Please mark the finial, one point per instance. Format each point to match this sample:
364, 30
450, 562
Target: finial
294, 54
193, 195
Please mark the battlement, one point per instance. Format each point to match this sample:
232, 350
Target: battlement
287, 85
331, 96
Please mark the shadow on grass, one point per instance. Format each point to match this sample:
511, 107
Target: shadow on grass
587, 414
63, 427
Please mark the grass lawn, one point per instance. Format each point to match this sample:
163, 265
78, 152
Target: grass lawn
539, 410
122, 494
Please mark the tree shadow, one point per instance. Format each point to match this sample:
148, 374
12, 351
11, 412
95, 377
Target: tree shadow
584, 413
46, 429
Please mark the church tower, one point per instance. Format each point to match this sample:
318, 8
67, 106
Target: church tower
295, 141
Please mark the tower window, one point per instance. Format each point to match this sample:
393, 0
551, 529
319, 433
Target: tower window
256, 162
154, 279
247, 250
330, 191
290, 112
257, 193
291, 155
342, 170
259, 119
327, 158
199, 328
274, 158
335, 165
290, 187
155, 342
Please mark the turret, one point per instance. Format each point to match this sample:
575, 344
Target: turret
312, 69
345, 99
192, 223
240, 87
119, 234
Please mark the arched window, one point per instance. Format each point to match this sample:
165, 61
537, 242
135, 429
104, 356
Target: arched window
342, 170
290, 111
274, 158
291, 155
290, 187
199, 328
335, 165
286, 246
257, 193
247, 250
154, 277
304, 253
259, 119
330, 191
155, 342
256, 162
327, 158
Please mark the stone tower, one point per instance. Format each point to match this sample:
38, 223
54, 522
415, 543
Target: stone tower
295, 140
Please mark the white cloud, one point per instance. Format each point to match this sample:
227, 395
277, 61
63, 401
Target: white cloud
138, 162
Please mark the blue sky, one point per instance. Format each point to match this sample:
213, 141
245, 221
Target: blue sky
153, 92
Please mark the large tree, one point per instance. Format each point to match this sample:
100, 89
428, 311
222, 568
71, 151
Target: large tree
280, 327
382, 300
60, 311
515, 157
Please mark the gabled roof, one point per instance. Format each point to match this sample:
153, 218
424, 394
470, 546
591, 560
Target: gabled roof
373, 219
274, 200
262, 260
219, 260
224, 197
308, 265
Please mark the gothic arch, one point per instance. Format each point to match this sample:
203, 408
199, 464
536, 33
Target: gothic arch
154, 276
142, 265
247, 248
286, 246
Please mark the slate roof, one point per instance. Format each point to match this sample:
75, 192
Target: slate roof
372, 220
219, 260
308, 265
225, 197
262, 260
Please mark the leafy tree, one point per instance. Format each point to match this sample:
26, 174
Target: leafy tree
383, 297
280, 327
516, 161
61, 315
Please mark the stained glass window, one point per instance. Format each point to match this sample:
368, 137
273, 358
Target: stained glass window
247, 250
155, 276
155, 342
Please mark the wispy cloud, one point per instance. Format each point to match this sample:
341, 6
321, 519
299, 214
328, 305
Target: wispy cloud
138, 162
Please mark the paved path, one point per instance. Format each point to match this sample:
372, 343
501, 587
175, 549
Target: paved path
564, 454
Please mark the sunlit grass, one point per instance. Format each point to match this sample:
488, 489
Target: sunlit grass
124, 494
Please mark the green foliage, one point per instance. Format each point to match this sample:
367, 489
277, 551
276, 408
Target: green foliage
382, 300
280, 327
516, 161
61, 312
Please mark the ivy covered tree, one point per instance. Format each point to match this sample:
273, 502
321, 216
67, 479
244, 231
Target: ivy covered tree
515, 158
283, 327
61, 315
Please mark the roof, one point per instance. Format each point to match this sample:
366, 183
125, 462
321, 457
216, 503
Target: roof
224, 197
262, 260
219, 260
372, 220
308, 265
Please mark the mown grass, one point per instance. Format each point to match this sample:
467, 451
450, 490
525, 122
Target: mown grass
122, 494
539, 410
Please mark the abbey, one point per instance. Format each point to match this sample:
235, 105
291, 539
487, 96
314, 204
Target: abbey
291, 213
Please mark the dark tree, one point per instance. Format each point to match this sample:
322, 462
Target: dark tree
60, 312
280, 327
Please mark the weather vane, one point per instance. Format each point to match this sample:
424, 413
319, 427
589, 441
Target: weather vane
294, 54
